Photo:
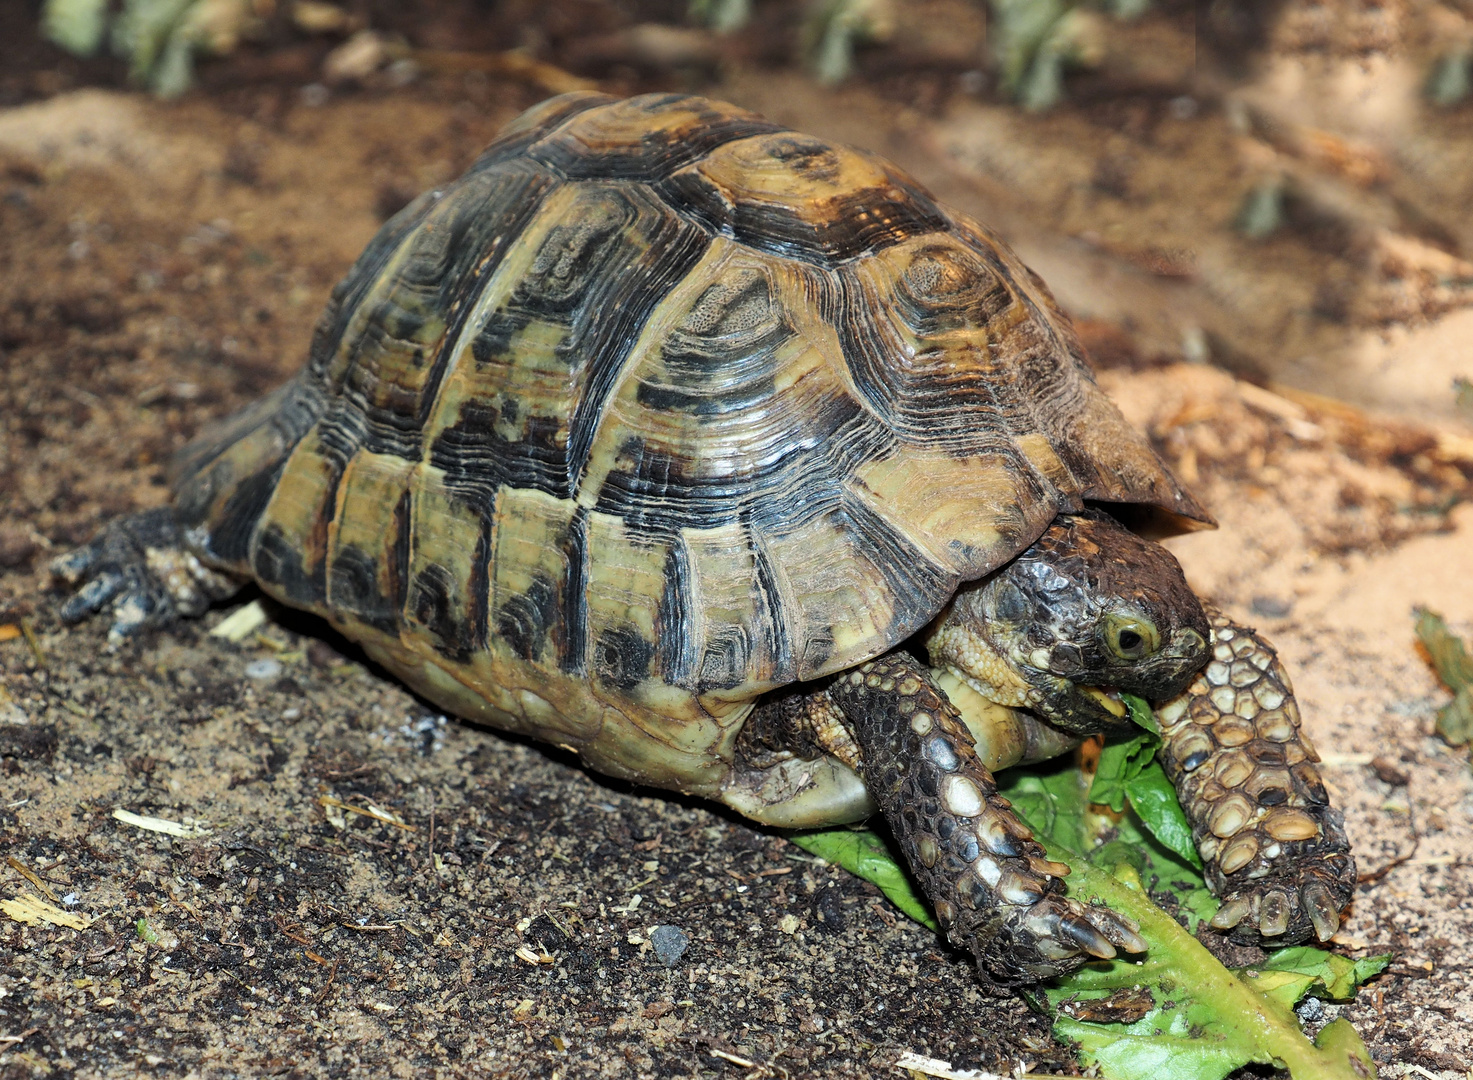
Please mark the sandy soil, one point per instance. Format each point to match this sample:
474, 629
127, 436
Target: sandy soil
162, 265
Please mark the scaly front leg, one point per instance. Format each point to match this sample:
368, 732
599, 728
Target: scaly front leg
1274, 849
989, 881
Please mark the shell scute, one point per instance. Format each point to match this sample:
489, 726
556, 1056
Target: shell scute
368, 540
539, 569
643, 138
799, 197
446, 587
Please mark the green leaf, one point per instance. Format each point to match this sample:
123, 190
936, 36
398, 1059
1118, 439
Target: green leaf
1154, 799
1120, 763
146, 932
1455, 719
1337, 976
1141, 713
1169, 877
1206, 1021
1455, 668
1129, 770
864, 854
1449, 654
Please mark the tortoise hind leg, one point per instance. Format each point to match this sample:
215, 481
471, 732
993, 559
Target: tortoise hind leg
988, 880
1272, 847
140, 567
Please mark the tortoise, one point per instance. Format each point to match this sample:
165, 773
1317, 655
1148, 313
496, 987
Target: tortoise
726, 458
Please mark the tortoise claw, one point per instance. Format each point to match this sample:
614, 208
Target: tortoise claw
1084, 934
1065, 928
1231, 913
1278, 911
1323, 912
1273, 918
92, 596
1121, 932
1020, 888
73, 566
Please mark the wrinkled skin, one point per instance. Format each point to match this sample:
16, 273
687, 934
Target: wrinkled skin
1090, 608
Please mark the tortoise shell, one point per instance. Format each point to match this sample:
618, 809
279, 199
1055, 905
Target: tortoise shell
658, 407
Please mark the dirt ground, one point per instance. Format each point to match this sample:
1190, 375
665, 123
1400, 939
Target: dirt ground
162, 264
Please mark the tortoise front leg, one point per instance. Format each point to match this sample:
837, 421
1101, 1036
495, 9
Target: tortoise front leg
1272, 846
988, 880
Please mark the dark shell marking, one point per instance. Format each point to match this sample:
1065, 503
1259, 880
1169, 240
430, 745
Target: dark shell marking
623, 402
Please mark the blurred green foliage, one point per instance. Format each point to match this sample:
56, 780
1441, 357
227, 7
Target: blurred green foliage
1454, 667
1034, 42
723, 16
158, 38
1451, 80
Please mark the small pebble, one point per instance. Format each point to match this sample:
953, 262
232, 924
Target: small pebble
265, 668
1271, 607
670, 943
1389, 772
1310, 1009
321, 654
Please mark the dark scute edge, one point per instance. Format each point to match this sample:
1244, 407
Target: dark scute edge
524, 621
777, 644
513, 140
443, 275
918, 586
278, 562
430, 602
353, 588
348, 293
230, 534
573, 625
626, 312
657, 155
621, 657
769, 227
674, 623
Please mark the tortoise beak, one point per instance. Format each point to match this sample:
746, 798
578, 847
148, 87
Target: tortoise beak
1108, 697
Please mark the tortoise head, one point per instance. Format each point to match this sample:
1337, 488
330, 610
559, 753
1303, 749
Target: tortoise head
1089, 610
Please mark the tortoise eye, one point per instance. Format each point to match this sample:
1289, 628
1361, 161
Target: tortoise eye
1131, 637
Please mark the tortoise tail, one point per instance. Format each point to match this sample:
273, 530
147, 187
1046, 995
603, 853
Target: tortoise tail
223, 479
